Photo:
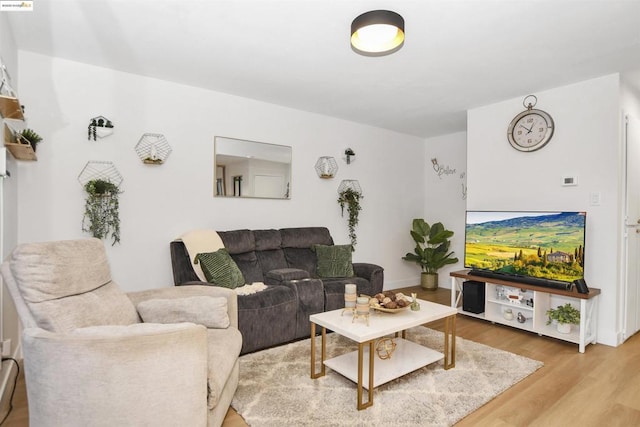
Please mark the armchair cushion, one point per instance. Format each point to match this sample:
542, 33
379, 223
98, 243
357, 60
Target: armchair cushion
67, 285
334, 260
220, 269
117, 375
105, 305
208, 311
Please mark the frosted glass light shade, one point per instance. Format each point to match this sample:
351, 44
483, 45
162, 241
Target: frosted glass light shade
377, 33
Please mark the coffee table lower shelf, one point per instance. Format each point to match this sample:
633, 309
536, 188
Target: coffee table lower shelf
407, 357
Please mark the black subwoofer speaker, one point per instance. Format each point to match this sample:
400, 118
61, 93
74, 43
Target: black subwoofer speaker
473, 296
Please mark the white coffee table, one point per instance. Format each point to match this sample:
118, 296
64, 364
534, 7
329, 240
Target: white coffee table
407, 357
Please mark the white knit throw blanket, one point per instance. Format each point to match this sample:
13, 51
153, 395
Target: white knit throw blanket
200, 242
203, 241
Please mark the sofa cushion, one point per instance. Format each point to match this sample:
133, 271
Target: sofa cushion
220, 269
211, 312
301, 258
249, 265
238, 241
271, 260
267, 239
305, 237
334, 260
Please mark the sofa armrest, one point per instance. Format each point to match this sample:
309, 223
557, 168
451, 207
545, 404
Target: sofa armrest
181, 263
372, 272
101, 373
282, 275
190, 291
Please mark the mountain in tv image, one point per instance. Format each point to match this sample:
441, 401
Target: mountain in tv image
548, 245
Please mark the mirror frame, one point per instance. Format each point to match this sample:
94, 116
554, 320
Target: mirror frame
275, 161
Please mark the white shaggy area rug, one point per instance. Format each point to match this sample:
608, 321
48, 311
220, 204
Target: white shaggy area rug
276, 389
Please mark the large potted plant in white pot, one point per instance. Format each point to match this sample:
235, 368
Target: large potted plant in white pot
431, 252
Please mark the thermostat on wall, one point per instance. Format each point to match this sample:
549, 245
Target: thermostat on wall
569, 180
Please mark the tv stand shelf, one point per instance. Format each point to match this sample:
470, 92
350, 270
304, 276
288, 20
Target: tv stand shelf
533, 304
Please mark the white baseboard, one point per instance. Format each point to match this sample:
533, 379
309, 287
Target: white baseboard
405, 283
397, 284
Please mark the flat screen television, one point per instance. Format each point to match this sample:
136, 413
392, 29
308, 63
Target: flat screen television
539, 248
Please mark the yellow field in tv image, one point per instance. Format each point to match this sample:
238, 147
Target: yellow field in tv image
545, 246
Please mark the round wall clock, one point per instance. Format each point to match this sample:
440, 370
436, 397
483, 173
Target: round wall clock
531, 129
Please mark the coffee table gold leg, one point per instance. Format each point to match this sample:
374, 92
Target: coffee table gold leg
365, 405
323, 352
450, 342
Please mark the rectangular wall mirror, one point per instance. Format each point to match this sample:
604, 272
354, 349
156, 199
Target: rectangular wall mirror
251, 169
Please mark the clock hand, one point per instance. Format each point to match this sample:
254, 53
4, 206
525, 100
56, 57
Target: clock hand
529, 130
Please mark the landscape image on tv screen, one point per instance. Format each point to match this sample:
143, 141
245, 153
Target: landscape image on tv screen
547, 245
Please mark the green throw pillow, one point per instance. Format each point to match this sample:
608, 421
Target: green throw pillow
334, 261
220, 269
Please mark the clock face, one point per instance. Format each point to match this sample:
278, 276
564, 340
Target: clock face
530, 130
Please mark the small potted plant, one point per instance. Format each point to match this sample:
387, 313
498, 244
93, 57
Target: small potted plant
565, 316
431, 252
29, 136
99, 127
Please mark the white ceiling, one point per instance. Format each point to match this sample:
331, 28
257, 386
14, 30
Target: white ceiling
457, 54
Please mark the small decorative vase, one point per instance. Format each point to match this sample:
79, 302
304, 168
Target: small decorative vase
508, 314
415, 305
564, 328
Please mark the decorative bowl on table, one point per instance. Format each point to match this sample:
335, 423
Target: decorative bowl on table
390, 302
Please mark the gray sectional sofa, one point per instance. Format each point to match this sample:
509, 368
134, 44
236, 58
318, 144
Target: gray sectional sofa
285, 261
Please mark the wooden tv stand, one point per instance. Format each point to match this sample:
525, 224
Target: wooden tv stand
539, 299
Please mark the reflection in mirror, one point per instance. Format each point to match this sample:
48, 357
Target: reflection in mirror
251, 169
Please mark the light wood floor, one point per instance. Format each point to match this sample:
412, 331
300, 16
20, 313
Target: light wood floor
598, 388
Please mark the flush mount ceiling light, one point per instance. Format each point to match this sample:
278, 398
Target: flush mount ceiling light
377, 33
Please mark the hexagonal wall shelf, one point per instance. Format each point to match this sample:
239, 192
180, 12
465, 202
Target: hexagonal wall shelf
99, 127
96, 169
153, 148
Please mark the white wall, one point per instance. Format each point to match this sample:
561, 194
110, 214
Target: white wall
446, 183
630, 99
9, 324
161, 202
586, 144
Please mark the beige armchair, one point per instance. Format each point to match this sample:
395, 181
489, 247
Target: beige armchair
90, 360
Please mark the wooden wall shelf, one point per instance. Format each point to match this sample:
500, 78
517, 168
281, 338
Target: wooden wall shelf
18, 150
21, 151
10, 108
